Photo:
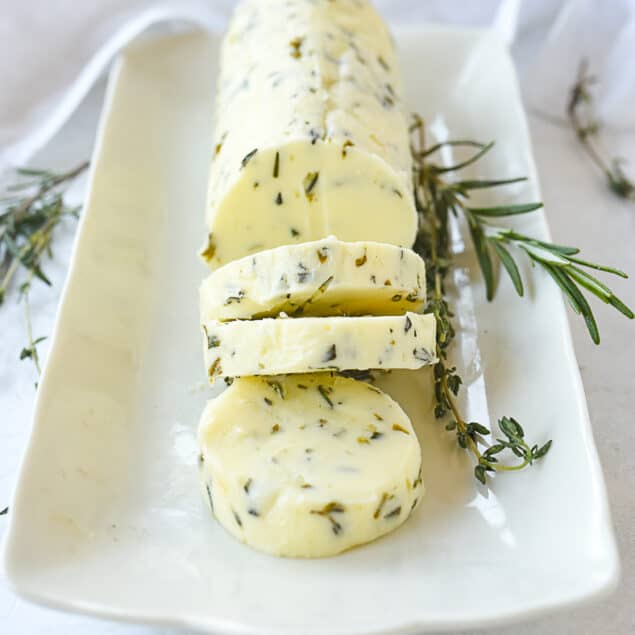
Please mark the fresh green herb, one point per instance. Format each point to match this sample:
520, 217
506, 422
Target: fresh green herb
360, 375
582, 118
422, 354
4, 511
418, 480
331, 354
316, 294
213, 341
435, 200
394, 513
303, 272
296, 46
398, 428
277, 387
328, 510
384, 499
322, 254
210, 249
248, 157
215, 368
310, 180
276, 166
383, 63
209, 496
236, 298
30, 211
324, 391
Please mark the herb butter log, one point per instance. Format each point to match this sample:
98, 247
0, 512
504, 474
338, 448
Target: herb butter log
323, 277
277, 346
311, 133
308, 465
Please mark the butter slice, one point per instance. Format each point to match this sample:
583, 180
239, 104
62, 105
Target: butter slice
307, 466
277, 346
311, 133
323, 277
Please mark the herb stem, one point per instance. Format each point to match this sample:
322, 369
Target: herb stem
29, 330
460, 422
435, 200
47, 184
29, 216
586, 127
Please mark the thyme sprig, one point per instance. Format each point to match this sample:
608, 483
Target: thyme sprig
437, 198
30, 211
583, 120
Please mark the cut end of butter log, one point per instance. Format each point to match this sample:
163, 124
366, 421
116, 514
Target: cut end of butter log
322, 277
327, 150
278, 346
308, 466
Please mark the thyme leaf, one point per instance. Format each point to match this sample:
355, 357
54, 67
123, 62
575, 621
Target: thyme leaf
30, 211
436, 199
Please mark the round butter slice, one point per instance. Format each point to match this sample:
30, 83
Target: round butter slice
308, 466
279, 346
322, 277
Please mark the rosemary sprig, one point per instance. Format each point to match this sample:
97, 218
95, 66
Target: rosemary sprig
584, 122
436, 199
30, 211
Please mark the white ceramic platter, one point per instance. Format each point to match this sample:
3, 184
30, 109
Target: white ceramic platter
107, 517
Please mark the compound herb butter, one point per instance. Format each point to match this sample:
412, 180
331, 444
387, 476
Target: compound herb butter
277, 346
308, 465
323, 277
311, 133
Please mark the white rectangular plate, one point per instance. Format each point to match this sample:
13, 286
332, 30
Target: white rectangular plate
107, 518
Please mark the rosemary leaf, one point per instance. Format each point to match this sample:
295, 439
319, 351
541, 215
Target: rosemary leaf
510, 265
484, 258
435, 200
485, 148
505, 210
480, 184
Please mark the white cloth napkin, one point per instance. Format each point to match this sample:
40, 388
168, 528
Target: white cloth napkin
52, 51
